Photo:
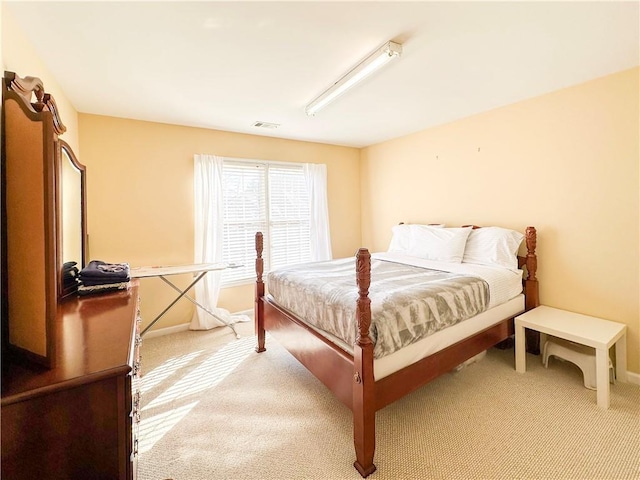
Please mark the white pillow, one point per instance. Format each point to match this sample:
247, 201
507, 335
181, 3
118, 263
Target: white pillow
493, 246
401, 237
437, 243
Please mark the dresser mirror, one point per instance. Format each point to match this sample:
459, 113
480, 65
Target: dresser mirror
72, 229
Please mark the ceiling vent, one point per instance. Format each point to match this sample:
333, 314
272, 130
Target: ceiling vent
266, 125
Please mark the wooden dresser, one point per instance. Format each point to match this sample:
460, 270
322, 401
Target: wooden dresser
80, 419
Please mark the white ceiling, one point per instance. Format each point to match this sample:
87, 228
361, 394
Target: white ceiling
226, 65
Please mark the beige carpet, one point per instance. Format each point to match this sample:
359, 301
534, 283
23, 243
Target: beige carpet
215, 409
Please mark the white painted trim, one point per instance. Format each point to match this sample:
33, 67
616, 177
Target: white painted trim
167, 330
633, 377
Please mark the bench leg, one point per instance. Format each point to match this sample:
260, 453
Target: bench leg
602, 377
521, 353
621, 359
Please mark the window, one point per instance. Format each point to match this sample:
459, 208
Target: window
268, 197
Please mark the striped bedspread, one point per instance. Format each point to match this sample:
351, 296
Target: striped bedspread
408, 303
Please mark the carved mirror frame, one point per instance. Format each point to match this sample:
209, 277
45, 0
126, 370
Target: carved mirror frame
71, 216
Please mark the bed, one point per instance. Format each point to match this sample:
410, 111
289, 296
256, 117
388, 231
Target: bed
359, 377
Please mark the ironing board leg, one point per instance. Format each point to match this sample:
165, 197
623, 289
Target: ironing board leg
198, 304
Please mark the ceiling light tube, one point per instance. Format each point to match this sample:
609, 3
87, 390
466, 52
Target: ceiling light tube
373, 62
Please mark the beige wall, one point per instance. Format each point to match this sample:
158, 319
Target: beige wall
566, 163
140, 197
19, 56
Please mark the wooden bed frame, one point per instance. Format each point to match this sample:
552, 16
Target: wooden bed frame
350, 377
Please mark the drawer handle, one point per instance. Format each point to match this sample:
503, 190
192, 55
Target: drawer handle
136, 368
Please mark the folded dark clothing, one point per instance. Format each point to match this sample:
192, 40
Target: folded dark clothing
84, 290
66, 281
92, 282
100, 269
73, 273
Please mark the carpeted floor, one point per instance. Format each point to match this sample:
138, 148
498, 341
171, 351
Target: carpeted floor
215, 409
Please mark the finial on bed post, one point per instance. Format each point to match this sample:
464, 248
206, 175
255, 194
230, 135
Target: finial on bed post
532, 260
364, 411
259, 260
259, 305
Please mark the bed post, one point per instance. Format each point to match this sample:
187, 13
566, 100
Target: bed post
531, 292
364, 410
258, 311
531, 282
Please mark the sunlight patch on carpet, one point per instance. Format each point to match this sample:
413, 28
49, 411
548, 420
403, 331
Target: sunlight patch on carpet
207, 374
154, 428
164, 371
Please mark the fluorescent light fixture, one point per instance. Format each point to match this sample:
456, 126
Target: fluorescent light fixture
366, 67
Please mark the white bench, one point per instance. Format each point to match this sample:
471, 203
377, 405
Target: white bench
582, 356
582, 329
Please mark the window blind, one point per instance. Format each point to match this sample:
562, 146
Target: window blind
267, 197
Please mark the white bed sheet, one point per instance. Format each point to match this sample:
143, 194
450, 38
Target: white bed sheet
504, 284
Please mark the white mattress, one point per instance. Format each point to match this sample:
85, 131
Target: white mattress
385, 366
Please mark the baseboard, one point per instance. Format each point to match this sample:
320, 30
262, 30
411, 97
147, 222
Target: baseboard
167, 330
633, 377
184, 326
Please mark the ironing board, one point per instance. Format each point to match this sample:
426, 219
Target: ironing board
199, 270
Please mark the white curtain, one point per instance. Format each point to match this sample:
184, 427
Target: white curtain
316, 178
209, 214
